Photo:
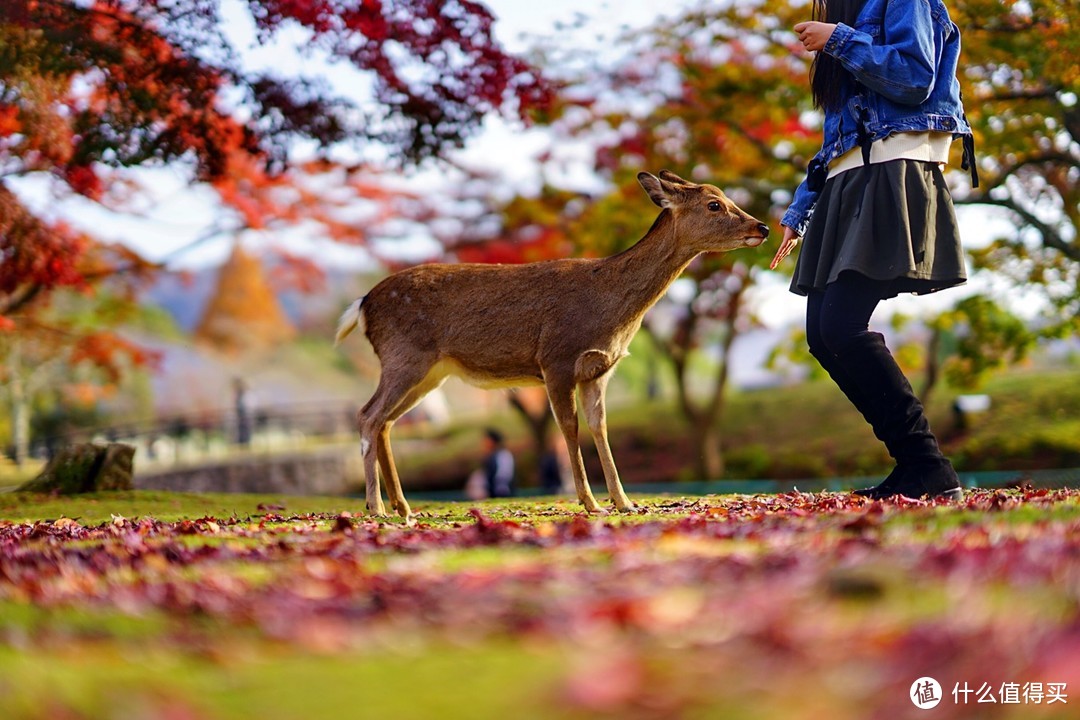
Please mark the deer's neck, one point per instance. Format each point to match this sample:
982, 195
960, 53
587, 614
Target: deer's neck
641, 275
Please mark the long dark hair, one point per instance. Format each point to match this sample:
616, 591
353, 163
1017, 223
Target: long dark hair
828, 78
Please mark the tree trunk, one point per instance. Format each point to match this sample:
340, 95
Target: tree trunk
930, 377
20, 406
704, 421
538, 419
705, 436
713, 416
708, 456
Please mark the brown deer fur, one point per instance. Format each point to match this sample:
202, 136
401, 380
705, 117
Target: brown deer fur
563, 324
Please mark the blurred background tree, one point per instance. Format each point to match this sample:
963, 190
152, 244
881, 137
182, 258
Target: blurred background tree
1022, 87
89, 87
89, 90
968, 342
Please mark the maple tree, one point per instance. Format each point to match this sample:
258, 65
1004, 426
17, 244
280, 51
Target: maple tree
86, 87
66, 356
91, 89
1022, 95
713, 311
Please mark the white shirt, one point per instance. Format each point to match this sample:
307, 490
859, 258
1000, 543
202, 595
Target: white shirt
925, 146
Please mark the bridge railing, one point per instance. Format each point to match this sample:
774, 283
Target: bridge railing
200, 437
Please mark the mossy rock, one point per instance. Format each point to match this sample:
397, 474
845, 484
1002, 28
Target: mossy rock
85, 468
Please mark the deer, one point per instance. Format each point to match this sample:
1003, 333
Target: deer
563, 324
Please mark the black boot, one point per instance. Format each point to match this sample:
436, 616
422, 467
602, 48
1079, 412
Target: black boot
847, 386
887, 401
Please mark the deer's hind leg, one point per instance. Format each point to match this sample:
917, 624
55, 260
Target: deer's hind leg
396, 386
386, 457
592, 399
561, 395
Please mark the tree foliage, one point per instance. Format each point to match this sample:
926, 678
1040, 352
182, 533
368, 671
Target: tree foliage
1022, 90
972, 340
90, 89
86, 87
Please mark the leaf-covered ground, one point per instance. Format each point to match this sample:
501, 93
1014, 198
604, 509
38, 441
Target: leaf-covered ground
794, 606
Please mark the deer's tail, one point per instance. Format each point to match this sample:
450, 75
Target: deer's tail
350, 320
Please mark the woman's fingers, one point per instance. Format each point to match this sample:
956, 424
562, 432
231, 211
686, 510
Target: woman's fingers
791, 239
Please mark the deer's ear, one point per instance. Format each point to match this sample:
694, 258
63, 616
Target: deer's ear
672, 178
655, 188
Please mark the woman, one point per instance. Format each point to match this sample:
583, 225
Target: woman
875, 212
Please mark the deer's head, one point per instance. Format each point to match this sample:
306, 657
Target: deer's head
704, 216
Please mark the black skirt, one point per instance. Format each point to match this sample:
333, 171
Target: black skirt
893, 222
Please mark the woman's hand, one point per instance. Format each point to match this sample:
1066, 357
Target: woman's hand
791, 239
814, 35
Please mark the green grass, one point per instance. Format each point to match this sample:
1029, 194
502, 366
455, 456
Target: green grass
96, 508
242, 681
11, 476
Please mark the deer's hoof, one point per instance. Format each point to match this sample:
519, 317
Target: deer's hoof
628, 507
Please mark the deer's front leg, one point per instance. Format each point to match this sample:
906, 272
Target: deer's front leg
389, 474
592, 398
561, 395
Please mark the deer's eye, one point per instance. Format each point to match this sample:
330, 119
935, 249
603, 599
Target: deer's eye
714, 206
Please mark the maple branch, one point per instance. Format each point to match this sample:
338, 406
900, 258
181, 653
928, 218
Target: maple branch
143, 26
1008, 171
135, 266
1026, 94
212, 232
1002, 28
1072, 123
1051, 237
20, 298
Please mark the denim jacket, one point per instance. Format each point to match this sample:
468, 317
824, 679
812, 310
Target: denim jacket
903, 55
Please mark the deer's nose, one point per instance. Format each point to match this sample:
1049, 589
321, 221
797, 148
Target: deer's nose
763, 229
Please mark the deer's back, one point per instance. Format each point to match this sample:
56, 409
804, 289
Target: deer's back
458, 309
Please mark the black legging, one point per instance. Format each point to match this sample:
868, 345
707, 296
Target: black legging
840, 313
